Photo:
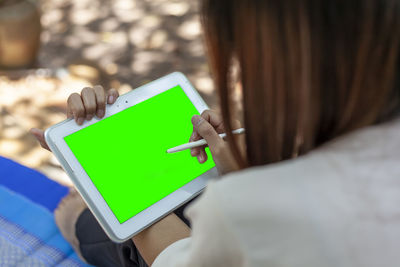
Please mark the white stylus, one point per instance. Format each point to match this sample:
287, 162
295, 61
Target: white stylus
201, 142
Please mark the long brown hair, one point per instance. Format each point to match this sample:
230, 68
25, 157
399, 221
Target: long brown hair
310, 70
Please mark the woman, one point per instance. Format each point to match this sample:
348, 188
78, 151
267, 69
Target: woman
318, 183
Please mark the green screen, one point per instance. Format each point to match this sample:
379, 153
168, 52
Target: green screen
125, 154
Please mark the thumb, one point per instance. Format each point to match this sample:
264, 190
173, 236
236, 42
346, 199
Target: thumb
39, 135
207, 131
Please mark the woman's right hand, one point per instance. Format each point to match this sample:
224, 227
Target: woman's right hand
89, 103
208, 126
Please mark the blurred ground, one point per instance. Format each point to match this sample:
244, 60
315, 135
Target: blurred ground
120, 44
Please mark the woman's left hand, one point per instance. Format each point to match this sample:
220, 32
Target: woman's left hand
83, 106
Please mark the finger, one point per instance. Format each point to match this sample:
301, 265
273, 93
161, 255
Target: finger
202, 156
194, 152
100, 100
69, 112
195, 137
207, 131
112, 96
236, 124
77, 108
89, 101
39, 135
214, 119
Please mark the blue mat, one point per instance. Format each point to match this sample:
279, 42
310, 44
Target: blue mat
28, 233
31, 184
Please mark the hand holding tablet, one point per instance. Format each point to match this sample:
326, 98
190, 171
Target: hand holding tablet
118, 163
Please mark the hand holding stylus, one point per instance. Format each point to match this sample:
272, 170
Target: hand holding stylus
208, 126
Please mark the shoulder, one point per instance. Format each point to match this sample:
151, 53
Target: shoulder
283, 183
310, 208
260, 211
285, 208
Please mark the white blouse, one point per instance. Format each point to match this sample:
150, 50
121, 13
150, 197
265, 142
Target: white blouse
336, 206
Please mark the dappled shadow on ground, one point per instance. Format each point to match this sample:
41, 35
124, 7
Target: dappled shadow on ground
134, 41
121, 44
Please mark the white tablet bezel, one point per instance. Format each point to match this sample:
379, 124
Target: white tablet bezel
116, 231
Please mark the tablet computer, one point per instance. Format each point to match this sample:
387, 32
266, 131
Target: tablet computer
119, 163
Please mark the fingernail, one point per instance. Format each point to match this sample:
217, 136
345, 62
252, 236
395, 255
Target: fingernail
201, 158
110, 99
80, 121
196, 120
100, 113
192, 153
89, 117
